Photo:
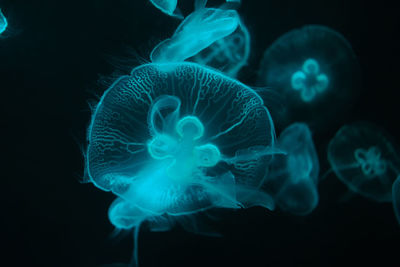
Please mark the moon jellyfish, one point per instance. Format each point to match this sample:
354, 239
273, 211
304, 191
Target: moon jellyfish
396, 198
313, 68
168, 7
172, 139
293, 177
227, 54
364, 158
3, 22
198, 31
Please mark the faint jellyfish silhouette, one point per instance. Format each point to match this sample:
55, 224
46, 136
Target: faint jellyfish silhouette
227, 54
206, 144
198, 31
168, 7
364, 158
293, 177
313, 68
396, 198
3, 22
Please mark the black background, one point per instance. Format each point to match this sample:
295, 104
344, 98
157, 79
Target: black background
49, 70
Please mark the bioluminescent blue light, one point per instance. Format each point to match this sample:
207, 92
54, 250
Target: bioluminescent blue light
198, 31
309, 80
293, 177
314, 68
168, 7
3, 22
363, 157
396, 198
227, 54
176, 139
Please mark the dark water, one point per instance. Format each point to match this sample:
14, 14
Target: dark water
49, 70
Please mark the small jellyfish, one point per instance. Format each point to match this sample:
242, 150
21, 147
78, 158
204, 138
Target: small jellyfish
198, 31
168, 7
174, 139
396, 198
3, 22
227, 54
313, 68
292, 177
364, 158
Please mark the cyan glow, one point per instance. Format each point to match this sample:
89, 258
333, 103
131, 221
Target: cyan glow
370, 161
198, 31
168, 7
3, 22
396, 198
312, 68
363, 157
309, 80
227, 54
293, 177
206, 143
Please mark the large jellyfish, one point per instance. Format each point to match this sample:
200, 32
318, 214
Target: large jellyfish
3, 22
364, 158
293, 177
198, 31
227, 54
396, 198
314, 68
175, 139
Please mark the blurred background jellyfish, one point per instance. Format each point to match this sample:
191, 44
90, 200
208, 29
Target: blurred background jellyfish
198, 31
3, 22
396, 198
313, 68
175, 139
227, 54
168, 7
292, 177
364, 158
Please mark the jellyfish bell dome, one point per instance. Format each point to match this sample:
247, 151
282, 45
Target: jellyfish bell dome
315, 69
196, 32
179, 138
363, 156
292, 177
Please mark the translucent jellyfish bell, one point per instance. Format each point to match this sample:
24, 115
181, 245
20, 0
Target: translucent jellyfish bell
396, 198
198, 31
206, 142
314, 68
293, 177
3, 22
364, 158
172, 139
227, 54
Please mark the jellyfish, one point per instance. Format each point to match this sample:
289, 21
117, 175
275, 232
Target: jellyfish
227, 54
293, 177
172, 140
3, 22
313, 68
363, 157
396, 198
168, 7
198, 31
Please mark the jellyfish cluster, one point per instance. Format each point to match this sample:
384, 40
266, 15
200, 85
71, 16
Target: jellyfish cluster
182, 135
